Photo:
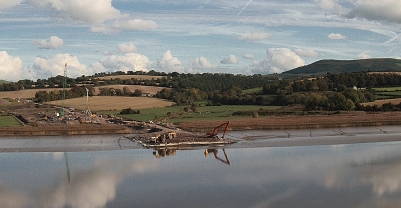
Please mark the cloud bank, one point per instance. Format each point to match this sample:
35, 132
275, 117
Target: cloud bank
9, 3
388, 10
336, 36
54, 42
306, 53
230, 60
168, 63
277, 60
88, 11
126, 48
126, 62
201, 64
10, 67
250, 37
53, 66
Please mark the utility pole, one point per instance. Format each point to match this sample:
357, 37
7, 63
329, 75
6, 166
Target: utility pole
64, 85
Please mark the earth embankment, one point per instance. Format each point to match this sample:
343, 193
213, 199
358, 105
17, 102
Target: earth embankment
344, 119
57, 130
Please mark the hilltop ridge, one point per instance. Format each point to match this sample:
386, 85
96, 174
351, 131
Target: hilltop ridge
323, 67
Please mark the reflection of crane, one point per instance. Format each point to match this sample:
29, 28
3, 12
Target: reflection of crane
171, 152
214, 133
164, 152
67, 166
217, 157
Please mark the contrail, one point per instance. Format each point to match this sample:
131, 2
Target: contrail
244, 7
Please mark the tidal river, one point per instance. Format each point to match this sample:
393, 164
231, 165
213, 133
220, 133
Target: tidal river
347, 167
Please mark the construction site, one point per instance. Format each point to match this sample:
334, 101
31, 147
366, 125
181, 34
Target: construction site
41, 119
159, 136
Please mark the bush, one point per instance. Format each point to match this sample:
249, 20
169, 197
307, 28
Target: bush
129, 111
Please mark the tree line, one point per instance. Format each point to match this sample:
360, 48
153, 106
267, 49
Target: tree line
332, 92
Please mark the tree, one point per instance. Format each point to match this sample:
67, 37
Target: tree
316, 102
126, 91
137, 93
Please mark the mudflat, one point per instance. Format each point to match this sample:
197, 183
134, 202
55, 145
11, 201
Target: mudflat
343, 119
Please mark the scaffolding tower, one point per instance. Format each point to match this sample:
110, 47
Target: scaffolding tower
64, 85
88, 112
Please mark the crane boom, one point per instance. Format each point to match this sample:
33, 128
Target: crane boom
214, 133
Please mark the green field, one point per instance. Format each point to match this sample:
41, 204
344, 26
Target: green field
387, 92
179, 114
386, 89
257, 91
9, 121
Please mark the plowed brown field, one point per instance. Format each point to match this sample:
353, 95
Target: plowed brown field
30, 93
379, 103
97, 103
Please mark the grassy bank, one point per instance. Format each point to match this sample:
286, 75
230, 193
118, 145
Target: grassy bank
178, 114
6, 121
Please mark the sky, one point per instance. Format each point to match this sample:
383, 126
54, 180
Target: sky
38, 37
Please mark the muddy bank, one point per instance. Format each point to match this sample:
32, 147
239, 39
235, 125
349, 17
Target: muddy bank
59, 130
346, 119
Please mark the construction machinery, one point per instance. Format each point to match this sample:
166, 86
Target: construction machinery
226, 161
214, 133
161, 137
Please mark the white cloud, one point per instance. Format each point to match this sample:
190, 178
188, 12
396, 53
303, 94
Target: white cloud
103, 29
127, 62
363, 56
11, 198
326, 4
383, 10
10, 67
89, 188
247, 56
201, 63
135, 24
9, 3
306, 53
50, 67
89, 11
168, 63
121, 25
54, 42
107, 53
126, 48
277, 60
248, 36
230, 60
336, 36
94, 186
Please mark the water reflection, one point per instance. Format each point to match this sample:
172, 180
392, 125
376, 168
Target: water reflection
215, 151
164, 152
159, 153
348, 175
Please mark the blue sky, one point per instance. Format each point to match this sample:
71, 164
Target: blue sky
241, 37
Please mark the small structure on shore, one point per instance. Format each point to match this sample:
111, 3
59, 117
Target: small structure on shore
162, 137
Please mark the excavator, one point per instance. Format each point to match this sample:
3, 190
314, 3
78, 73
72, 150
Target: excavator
226, 161
214, 133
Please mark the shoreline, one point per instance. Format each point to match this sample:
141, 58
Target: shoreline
61, 130
344, 119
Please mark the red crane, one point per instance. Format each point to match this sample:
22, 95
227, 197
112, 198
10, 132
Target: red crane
214, 133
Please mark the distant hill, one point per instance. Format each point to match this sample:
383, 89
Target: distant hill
323, 67
3, 81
